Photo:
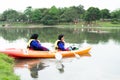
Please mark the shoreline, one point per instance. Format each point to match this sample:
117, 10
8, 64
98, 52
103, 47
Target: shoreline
64, 25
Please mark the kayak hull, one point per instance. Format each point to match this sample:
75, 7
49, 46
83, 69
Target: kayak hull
25, 53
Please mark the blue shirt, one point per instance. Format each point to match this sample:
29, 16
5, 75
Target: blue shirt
61, 46
37, 46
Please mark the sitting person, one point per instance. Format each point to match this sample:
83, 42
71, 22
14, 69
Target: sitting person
34, 44
60, 44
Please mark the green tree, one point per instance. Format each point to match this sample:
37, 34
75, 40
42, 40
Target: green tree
115, 15
28, 13
80, 10
51, 17
22, 17
70, 14
105, 14
92, 14
36, 16
10, 15
53, 11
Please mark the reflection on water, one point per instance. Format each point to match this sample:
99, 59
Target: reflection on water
60, 67
34, 70
33, 65
49, 34
36, 66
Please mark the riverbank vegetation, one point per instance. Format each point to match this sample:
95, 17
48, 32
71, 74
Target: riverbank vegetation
93, 16
6, 68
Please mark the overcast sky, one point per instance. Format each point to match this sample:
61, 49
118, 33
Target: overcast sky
20, 5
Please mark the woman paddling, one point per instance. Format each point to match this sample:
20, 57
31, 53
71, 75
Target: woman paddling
60, 44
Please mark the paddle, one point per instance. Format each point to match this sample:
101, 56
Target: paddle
72, 50
76, 55
58, 56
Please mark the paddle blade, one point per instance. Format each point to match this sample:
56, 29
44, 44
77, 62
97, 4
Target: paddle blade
58, 56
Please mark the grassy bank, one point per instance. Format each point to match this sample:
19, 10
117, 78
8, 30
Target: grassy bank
108, 24
65, 25
6, 68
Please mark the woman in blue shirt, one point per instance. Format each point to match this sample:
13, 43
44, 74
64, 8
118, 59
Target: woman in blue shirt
34, 43
60, 44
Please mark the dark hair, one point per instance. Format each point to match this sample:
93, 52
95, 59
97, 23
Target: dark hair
34, 36
60, 36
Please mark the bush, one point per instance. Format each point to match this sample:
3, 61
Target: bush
115, 21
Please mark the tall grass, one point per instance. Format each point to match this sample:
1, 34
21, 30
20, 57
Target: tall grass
6, 68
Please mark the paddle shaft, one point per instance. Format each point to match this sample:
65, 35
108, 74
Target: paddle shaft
76, 55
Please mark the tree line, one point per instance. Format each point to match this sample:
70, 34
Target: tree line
54, 15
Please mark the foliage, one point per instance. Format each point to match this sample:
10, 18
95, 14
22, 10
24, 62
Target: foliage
53, 11
69, 15
6, 68
105, 14
115, 21
92, 14
54, 15
28, 13
10, 15
36, 16
115, 16
49, 20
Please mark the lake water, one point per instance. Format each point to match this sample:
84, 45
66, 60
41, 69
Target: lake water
103, 64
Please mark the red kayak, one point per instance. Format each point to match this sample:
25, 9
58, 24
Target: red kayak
25, 53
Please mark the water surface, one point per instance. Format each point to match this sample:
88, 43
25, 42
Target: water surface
103, 64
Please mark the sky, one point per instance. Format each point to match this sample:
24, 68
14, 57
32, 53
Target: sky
21, 5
